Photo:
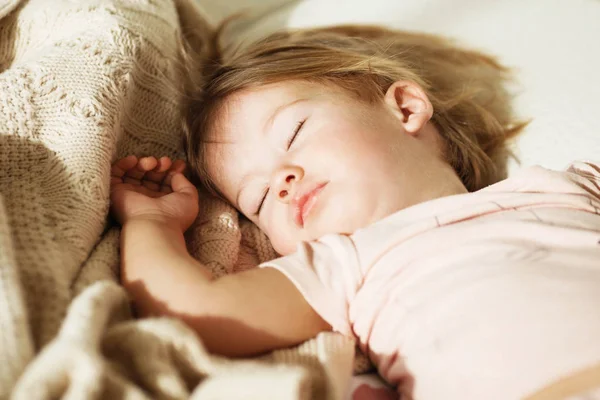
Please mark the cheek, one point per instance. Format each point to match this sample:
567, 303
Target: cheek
356, 153
330, 145
280, 234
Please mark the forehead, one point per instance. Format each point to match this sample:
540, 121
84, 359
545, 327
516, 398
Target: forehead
256, 105
251, 108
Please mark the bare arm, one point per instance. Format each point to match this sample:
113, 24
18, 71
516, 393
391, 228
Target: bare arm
238, 315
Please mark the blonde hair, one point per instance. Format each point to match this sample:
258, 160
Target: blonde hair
472, 109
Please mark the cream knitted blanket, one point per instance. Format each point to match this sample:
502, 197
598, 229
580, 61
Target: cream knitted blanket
82, 83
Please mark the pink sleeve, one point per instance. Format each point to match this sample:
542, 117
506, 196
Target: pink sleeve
327, 274
587, 176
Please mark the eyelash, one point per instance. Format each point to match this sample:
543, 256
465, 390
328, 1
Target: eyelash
289, 144
296, 131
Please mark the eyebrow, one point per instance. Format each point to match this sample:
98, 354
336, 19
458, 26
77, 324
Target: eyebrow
278, 110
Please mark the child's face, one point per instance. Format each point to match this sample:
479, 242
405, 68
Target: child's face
349, 164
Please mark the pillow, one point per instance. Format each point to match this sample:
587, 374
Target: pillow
551, 44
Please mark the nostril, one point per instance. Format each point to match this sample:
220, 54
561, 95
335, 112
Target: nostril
283, 194
289, 178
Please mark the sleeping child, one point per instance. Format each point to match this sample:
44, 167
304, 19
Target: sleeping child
375, 162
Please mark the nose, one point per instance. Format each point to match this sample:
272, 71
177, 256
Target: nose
285, 181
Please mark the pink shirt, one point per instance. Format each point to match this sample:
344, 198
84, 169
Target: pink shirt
486, 295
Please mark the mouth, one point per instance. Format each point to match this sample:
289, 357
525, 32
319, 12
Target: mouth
305, 203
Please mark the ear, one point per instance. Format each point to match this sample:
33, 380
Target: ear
410, 104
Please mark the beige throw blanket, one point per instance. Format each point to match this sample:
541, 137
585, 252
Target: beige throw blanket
83, 83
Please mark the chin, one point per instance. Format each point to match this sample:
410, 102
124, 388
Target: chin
287, 252
285, 249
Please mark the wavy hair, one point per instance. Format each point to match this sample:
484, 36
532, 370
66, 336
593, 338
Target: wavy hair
472, 107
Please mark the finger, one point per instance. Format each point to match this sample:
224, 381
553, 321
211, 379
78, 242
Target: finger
144, 165
132, 181
164, 163
179, 183
135, 186
165, 187
158, 174
149, 192
147, 163
178, 166
151, 185
119, 168
151, 188
115, 181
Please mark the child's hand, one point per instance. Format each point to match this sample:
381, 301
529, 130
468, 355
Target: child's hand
151, 188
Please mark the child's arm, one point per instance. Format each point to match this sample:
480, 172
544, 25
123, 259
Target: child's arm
242, 314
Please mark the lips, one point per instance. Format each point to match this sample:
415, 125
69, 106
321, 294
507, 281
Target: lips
304, 202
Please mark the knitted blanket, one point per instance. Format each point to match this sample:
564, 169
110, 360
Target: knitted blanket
83, 83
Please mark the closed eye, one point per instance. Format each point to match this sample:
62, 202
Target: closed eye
296, 132
289, 144
262, 202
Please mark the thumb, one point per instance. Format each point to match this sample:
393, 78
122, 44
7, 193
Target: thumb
180, 184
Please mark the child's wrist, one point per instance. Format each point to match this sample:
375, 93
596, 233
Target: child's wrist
157, 219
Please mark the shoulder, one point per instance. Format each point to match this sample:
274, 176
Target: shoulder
578, 176
586, 169
586, 175
330, 258
327, 274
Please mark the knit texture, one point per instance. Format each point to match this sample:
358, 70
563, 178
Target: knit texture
83, 83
